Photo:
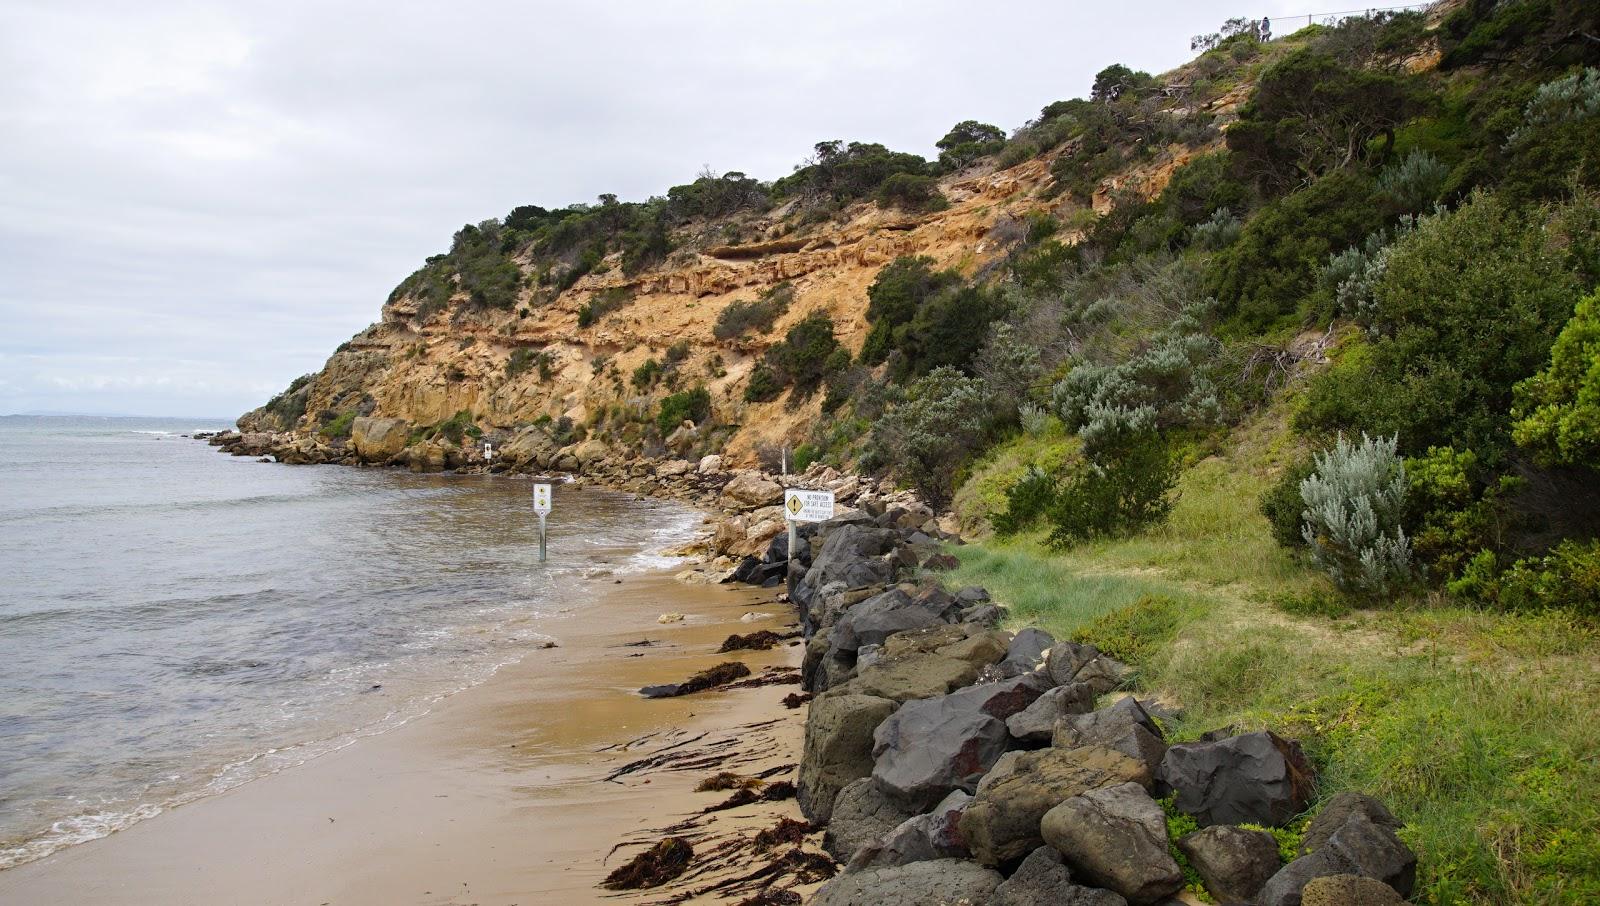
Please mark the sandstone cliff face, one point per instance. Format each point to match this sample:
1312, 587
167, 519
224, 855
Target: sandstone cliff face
424, 367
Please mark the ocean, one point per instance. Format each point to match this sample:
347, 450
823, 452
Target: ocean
175, 621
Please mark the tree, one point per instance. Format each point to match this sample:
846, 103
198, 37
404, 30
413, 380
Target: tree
927, 436
1116, 80
1558, 409
967, 141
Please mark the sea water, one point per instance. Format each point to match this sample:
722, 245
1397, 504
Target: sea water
175, 621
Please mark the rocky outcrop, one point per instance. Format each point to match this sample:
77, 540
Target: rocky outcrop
1002, 823
935, 745
1353, 844
837, 748
378, 440
934, 835
1116, 837
861, 815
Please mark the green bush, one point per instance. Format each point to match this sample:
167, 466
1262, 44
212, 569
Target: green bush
1453, 514
939, 422
690, 405
764, 385
968, 141
1027, 501
1170, 376
339, 426
1282, 506
1414, 184
895, 297
1567, 578
1135, 633
1558, 409
644, 376
525, 358
911, 192
843, 172
1468, 304
603, 303
1121, 494
740, 318
806, 354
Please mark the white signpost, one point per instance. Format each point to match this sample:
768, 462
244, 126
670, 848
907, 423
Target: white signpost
541, 505
800, 505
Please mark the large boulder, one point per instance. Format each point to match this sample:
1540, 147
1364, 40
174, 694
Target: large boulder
1116, 838
1358, 847
932, 746
862, 814
751, 489
940, 882
852, 554
1002, 823
1123, 725
1043, 880
1072, 662
1336, 811
924, 663
1027, 652
837, 748
872, 621
379, 439
590, 453
1233, 862
935, 835
1036, 723
1256, 778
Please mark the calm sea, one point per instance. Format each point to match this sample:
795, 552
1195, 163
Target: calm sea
175, 621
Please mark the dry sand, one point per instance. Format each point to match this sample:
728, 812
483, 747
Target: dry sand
498, 795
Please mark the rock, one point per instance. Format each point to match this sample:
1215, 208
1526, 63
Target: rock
590, 453
673, 468
941, 563
1102, 674
1116, 838
837, 748
984, 614
933, 746
1233, 862
1358, 847
1124, 726
1336, 811
1042, 880
1065, 659
935, 835
940, 882
1027, 651
849, 554
379, 439
673, 617
861, 815
972, 594
751, 489
709, 464
1002, 823
1256, 778
1349, 890
925, 663
1036, 723
874, 620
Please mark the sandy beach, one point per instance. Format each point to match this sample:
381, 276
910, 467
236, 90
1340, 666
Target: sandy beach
499, 794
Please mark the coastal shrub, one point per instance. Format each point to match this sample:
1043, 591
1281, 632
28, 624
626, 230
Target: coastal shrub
764, 385
1567, 578
740, 318
603, 303
966, 142
1282, 506
895, 297
646, 374
1468, 304
807, 354
1009, 365
688, 406
911, 192
289, 406
1413, 185
947, 331
339, 425
1355, 501
1122, 487
933, 427
1455, 509
1026, 501
1134, 633
525, 358
1557, 410
1221, 230
842, 172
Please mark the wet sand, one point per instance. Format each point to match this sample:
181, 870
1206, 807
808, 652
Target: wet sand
497, 796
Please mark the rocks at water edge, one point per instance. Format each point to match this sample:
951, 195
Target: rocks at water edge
1043, 880
939, 882
862, 814
837, 748
934, 835
1116, 838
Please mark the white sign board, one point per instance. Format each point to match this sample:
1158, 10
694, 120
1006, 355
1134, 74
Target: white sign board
807, 506
541, 499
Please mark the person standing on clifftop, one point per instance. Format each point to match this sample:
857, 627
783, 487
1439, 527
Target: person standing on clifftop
1266, 29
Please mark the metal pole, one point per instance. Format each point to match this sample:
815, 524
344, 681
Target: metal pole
541, 537
788, 573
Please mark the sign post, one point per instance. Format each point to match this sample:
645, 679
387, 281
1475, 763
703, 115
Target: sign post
803, 506
541, 505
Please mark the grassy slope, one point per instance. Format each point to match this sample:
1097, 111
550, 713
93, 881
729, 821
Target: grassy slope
1477, 729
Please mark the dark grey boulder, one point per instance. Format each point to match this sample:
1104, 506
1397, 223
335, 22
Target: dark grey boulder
1036, 723
1358, 847
1123, 725
934, 745
1026, 652
872, 621
861, 815
1065, 659
972, 594
1002, 823
940, 882
1233, 862
850, 554
982, 614
925, 663
921, 838
1256, 778
1116, 838
1336, 811
1043, 880
837, 748
1103, 674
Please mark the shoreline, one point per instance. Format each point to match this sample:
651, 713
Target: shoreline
515, 762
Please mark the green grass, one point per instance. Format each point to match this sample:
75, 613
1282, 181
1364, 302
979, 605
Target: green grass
1476, 728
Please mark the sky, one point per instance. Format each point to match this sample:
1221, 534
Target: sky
199, 201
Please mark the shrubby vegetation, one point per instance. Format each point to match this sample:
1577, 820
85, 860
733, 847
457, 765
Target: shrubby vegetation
740, 318
692, 405
1354, 500
809, 352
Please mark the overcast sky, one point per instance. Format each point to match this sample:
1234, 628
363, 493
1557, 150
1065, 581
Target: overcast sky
199, 201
